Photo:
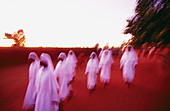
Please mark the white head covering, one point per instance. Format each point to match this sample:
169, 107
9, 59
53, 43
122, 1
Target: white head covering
72, 57
92, 70
33, 55
93, 63
34, 67
30, 95
62, 55
71, 63
129, 55
93, 54
103, 57
95, 58
47, 59
52, 85
106, 58
60, 64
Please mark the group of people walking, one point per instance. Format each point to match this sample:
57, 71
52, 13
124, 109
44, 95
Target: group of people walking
94, 65
48, 86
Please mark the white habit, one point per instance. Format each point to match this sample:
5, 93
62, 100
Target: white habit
105, 64
47, 86
61, 74
71, 62
128, 62
92, 70
30, 95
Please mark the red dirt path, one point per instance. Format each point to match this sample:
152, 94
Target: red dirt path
150, 90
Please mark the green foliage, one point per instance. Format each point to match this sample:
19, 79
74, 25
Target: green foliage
150, 23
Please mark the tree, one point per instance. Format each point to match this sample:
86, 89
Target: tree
18, 37
150, 22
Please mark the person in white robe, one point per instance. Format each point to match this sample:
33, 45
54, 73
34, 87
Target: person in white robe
71, 63
92, 69
61, 75
105, 64
128, 62
47, 86
30, 96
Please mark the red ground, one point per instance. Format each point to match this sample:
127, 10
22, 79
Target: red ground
150, 90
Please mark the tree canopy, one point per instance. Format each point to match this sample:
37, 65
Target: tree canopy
150, 24
18, 38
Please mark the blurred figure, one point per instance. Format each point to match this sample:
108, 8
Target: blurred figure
62, 75
71, 63
105, 64
30, 96
81, 58
128, 62
102, 50
92, 70
116, 52
47, 86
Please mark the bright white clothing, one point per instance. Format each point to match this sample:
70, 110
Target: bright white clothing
100, 54
71, 63
105, 64
47, 97
30, 95
61, 74
92, 70
128, 62
58, 72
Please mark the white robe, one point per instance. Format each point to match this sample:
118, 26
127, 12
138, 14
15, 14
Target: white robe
71, 63
92, 70
128, 62
100, 54
30, 95
105, 64
60, 72
47, 97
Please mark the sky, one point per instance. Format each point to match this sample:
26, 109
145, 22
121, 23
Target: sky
66, 23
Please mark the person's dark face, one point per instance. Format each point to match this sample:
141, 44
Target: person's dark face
60, 59
31, 60
93, 56
71, 53
43, 64
129, 49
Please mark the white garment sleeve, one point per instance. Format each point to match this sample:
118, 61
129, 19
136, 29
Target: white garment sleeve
56, 71
87, 67
37, 82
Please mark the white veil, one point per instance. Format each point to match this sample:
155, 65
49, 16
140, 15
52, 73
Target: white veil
128, 55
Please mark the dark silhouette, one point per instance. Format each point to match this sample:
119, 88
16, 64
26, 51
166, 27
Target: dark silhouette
150, 22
